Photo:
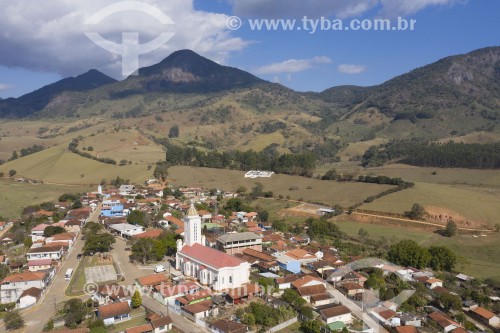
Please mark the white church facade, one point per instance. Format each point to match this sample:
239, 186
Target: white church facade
211, 267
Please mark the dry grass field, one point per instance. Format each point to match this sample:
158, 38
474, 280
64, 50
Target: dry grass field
15, 196
59, 166
477, 204
326, 192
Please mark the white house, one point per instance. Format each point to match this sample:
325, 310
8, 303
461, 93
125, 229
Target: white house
214, 268
45, 252
337, 313
39, 264
13, 286
29, 297
126, 230
114, 313
37, 232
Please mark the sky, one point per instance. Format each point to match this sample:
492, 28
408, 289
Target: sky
44, 41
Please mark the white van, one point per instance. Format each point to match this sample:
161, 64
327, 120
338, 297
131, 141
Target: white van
68, 274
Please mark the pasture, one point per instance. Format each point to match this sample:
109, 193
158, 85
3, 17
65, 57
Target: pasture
59, 166
478, 205
295, 187
15, 196
480, 254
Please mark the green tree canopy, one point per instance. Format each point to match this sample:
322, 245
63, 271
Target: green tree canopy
409, 253
442, 258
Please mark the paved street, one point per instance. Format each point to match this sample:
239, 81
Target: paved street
36, 316
356, 310
132, 272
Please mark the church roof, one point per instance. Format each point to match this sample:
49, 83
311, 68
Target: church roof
192, 210
210, 257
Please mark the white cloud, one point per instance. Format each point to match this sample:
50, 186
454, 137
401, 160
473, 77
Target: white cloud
351, 69
50, 36
336, 8
4, 86
293, 65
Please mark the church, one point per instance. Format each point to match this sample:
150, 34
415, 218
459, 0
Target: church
211, 267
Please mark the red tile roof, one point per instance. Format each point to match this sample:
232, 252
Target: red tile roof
24, 276
307, 279
312, 290
154, 233
152, 280
209, 256
335, 311
139, 329
113, 310
487, 314
406, 329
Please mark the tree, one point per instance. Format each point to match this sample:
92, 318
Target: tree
409, 253
77, 204
442, 258
28, 242
307, 312
173, 132
75, 312
53, 230
293, 298
330, 175
12, 173
263, 215
311, 326
248, 319
143, 250
19, 236
98, 243
451, 229
449, 302
363, 234
136, 300
417, 212
137, 217
4, 271
241, 189
92, 228
13, 320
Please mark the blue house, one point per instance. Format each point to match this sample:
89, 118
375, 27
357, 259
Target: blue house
113, 210
289, 264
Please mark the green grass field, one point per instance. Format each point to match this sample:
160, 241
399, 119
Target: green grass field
481, 254
15, 196
472, 202
326, 192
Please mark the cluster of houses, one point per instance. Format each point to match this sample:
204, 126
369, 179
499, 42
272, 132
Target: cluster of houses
32, 274
217, 267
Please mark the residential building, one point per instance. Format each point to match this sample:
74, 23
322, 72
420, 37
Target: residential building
45, 252
227, 326
485, 316
39, 264
336, 313
29, 297
13, 286
238, 242
200, 310
114, 313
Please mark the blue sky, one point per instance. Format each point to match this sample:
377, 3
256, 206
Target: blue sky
35, 52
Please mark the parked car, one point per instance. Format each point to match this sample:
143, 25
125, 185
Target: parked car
79, 256
160, 268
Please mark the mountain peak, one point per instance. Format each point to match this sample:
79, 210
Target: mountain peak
187, 71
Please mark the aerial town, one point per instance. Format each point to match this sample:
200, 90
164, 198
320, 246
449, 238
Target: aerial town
150, 258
